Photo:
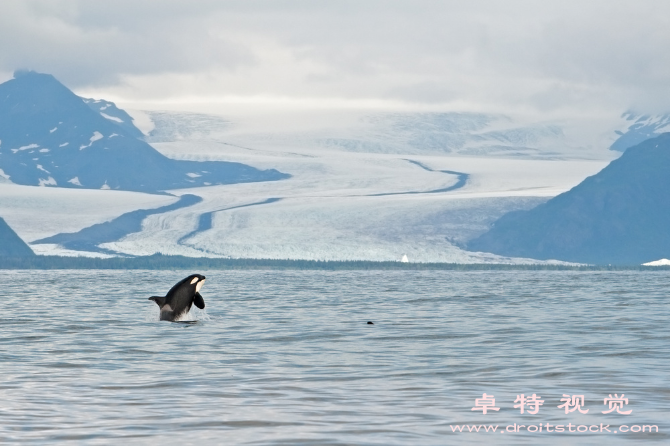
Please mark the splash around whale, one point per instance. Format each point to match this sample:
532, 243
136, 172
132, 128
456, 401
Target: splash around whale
178, 301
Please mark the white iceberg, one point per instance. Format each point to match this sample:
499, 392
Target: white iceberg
661, 262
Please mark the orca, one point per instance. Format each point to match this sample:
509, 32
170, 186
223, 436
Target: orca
177, 302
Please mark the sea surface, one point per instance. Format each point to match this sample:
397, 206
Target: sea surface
288, 358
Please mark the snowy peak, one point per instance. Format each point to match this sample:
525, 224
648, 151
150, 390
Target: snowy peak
37, 110
51, 137
36, 94
640, 128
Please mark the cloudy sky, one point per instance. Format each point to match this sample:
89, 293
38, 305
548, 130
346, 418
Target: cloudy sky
538, 56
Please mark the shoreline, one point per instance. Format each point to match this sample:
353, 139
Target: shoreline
162, 262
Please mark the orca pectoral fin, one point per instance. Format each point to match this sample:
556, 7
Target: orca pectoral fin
199, 301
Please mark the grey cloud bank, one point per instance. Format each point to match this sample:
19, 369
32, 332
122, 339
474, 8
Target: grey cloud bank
541, 57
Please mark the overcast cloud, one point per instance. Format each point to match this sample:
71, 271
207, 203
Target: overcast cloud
540, 56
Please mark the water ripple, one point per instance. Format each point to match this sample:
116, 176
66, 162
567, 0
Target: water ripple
286, 357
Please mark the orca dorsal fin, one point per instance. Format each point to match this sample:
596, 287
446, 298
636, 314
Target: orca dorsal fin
160, 300
199, 301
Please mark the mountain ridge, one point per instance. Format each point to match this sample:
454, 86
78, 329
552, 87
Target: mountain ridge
51, 137
618, 216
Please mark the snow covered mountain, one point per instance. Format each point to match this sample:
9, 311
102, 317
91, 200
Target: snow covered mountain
417, 133
51, 137
110, 111
179, 126
454, 133
640, 127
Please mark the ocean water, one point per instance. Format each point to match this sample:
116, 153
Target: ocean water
287, 357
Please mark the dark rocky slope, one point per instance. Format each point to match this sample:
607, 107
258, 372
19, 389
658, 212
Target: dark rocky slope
619, 216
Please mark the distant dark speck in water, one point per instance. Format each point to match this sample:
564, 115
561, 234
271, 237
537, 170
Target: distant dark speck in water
370, 323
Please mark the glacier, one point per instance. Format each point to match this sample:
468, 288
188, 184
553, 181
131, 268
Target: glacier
343, 205
363, 186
